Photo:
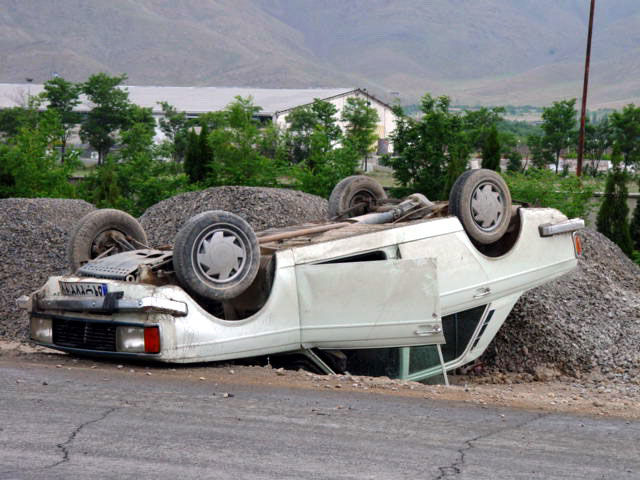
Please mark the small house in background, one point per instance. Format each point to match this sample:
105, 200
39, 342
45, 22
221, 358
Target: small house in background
276, 103
386, 117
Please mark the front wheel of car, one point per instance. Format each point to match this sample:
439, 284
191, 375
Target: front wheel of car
216, 255
482, 202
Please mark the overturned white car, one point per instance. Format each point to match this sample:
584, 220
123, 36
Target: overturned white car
406, 288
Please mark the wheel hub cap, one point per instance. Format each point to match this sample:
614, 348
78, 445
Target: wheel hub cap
221, 255
487, 206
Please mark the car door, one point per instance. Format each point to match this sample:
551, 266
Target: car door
367, 304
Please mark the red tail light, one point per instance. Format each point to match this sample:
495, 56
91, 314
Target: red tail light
151, 340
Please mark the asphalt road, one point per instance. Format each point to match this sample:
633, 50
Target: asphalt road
99, 424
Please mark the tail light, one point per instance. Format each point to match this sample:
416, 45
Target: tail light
151, 340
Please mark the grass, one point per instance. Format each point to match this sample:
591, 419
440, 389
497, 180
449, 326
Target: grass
383, 178
83, 171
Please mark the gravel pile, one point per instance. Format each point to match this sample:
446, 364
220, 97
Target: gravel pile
587, 322
33, 241
262, 207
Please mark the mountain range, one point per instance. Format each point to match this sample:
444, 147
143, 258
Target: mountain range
488, 52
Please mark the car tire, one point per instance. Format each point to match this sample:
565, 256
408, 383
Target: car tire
352, 191
482, 202
216, 255
94, 234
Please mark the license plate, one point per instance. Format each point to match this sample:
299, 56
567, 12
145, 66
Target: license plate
83, 289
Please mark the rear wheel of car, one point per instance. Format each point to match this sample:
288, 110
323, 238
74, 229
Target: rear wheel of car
482, 202
216, 255
355, 195
104, 232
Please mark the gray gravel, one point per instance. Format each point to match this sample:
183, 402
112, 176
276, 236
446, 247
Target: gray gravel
33, 240
587, 322
262, 207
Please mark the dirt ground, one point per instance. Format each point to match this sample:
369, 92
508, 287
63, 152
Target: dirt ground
584, 397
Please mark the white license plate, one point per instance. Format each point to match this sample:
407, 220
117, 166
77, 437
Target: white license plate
83, 289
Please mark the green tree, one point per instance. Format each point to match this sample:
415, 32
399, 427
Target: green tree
327, 121
174, 125
212, 120
304, 121
325, 167
236, 158
634, 227
625, 133
598, 139
63, 96
272, 144
137, 137
613, 215
109, 114
7, 180
195, 165
515, 161
429, 152
479, 124
30, 165
101, 187
144, 177
519, 129
12, 119
136, 176
491, 150
360, 131
206, 167
559, 126
457, 163
540, 153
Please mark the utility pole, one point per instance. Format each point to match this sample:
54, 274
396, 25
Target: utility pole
585, 88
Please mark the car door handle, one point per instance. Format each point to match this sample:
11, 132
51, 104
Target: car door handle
425, 332
482, 292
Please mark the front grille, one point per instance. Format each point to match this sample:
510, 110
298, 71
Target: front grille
85, 335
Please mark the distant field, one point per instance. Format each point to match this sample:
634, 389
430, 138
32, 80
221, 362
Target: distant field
383, 178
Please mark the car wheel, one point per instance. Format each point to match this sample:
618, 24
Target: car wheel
353, 191
104, 232
482, 202
216, 255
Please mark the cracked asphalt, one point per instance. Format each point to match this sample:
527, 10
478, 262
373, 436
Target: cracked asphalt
101, 423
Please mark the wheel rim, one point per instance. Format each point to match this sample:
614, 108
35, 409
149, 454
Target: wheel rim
105, 241
363, 197
487, 206
220, 254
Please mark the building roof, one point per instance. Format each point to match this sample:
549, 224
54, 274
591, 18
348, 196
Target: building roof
191, 99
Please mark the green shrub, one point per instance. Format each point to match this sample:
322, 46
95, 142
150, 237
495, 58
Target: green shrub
613, 217
634, 227
491, 151
543, 188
